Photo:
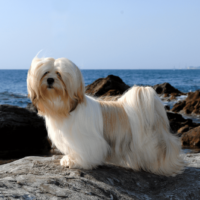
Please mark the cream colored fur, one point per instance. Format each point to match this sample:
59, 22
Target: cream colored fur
131, 132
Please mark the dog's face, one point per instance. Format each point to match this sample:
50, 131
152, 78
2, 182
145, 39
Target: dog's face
55, 87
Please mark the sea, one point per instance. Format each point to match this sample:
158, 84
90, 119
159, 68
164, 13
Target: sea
13, 87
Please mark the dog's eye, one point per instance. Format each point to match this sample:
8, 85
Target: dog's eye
45, 73
58, 74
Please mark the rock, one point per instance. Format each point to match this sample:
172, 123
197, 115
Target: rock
191, 105
166, 88
177, 122
183, 129
44, 178
174, 95
31, 107
167, 91
23, 133
191, 138
193, 96
167, 107
5, 161
178, 106
109, 86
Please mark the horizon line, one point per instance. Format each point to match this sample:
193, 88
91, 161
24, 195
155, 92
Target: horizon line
122, 69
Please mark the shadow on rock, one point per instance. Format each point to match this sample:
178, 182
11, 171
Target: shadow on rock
23, 133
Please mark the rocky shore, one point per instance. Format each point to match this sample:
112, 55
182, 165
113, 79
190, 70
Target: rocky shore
40, 178
23, 133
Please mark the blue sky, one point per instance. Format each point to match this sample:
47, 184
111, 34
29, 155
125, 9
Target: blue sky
101, 34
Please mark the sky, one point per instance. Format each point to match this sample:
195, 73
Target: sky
101, 34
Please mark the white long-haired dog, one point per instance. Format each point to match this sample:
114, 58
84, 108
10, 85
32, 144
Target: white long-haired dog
131, 132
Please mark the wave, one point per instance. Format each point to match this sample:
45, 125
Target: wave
14, 99
174, 101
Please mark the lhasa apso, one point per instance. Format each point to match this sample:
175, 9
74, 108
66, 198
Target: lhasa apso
131, 132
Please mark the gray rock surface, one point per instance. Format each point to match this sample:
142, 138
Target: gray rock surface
43, 178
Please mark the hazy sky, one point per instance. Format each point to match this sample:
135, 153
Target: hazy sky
101, 34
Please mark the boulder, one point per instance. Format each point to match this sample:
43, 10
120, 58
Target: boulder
114, 86
191, 105
178, 106
43, 178
166, 89
22, 132
109, 86
179, 124
191, 138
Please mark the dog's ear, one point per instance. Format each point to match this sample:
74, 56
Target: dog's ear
32, 96
76, 93
31, 93
80, 93
78, 98
73, 105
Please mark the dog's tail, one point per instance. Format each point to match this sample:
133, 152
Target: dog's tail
153, 147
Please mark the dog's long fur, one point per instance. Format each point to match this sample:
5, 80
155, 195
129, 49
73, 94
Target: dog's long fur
131, 132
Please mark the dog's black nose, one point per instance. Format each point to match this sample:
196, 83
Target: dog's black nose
50, 81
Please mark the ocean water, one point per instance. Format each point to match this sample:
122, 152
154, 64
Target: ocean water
13, 88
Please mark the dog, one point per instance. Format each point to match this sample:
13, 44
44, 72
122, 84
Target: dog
131, 132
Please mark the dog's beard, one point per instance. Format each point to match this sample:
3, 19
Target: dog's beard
53, 99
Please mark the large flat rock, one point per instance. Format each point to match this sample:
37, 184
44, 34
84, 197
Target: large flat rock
43, 178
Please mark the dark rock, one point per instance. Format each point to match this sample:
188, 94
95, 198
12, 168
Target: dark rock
31, 107
23, 133
166, 88
44, 178
191, 105
109, 86
167, 107
183, 129
177, 122
178, 106
193, 96
191, 138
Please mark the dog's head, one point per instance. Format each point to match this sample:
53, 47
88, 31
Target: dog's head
55, 87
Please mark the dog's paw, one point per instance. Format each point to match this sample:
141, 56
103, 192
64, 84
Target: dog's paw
67, 162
